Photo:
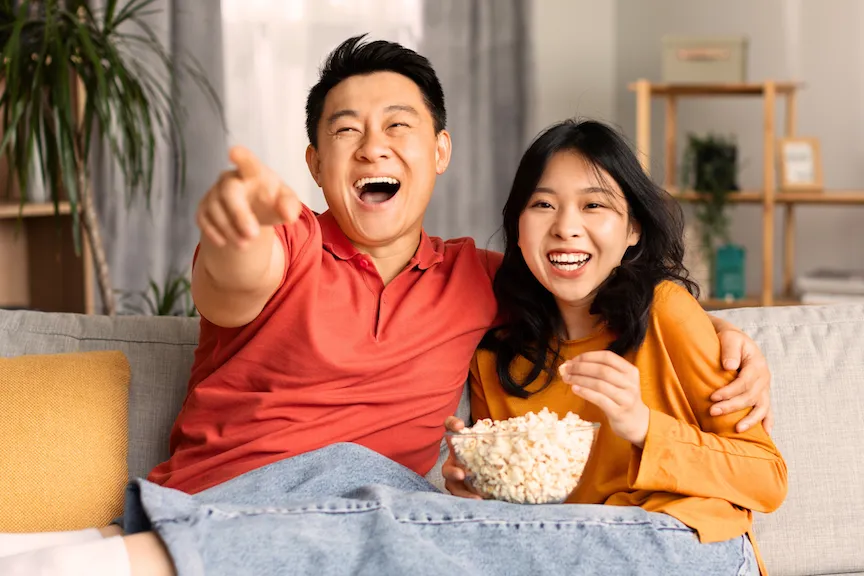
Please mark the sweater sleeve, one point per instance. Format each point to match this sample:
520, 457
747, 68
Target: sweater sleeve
479, 406
709, 458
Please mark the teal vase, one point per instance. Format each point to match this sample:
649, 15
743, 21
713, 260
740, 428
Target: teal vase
729, 280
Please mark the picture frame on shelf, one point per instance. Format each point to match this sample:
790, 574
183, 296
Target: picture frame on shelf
800, 162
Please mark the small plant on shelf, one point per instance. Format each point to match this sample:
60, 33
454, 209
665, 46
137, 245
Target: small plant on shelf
710, 168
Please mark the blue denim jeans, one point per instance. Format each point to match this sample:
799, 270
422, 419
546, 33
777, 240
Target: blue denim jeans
347, 510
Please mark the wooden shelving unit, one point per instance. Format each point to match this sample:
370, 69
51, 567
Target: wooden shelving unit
38, 266
768, 197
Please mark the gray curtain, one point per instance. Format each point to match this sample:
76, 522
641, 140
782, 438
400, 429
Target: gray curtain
479, 49
144, 244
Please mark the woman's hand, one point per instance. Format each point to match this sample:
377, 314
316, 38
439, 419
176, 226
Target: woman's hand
612, 384
752, 387
452, 470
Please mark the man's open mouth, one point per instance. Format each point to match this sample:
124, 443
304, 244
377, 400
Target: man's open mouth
377, 189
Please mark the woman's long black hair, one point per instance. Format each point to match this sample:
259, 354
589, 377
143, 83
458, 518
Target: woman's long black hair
533, 325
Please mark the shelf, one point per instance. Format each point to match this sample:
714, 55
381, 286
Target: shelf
41, 269
836, 197
744, 196
768, 197
828, 197
10, 210
749, 89
719, 304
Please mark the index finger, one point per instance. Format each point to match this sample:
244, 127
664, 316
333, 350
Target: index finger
735, 388
248, 165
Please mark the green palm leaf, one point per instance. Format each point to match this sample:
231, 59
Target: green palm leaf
49, 49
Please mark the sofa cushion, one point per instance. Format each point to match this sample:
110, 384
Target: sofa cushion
63, 425
816, 355
159, 350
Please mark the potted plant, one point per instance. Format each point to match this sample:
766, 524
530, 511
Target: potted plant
711, 169
71, 75
172, 298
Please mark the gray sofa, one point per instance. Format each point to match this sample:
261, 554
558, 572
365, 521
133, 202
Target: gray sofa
816, 355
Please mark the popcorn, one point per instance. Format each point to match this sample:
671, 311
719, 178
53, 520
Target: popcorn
531, 459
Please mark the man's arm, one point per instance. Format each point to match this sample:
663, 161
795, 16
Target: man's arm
720, 324
752, 387
241, 261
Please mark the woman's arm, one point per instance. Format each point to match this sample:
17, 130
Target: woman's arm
712, 459
680, 448
743, 468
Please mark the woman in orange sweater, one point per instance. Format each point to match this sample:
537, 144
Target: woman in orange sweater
601, 322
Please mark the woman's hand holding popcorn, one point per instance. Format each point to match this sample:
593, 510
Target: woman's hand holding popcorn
612, 384
452, 471
535, 458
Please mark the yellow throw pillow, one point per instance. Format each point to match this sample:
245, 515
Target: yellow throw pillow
63, 440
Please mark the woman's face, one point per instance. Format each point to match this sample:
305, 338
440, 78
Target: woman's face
574, 230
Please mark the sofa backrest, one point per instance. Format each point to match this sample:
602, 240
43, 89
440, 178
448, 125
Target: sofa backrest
160, 352
816, 356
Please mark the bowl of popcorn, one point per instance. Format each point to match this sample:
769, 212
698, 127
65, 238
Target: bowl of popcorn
531, 459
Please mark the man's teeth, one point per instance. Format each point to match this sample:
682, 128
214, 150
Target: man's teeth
569, 262
376, 180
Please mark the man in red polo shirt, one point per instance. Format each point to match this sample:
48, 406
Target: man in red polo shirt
349, 327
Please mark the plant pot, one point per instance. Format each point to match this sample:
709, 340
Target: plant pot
729, 272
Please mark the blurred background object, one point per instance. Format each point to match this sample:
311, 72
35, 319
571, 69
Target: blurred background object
509, 68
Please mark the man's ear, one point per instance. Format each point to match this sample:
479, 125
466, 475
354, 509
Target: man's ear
443, 148
314, 163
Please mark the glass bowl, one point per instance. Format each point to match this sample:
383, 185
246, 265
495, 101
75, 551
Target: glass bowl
538, 466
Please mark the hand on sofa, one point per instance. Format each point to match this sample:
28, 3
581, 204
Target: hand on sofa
752, 387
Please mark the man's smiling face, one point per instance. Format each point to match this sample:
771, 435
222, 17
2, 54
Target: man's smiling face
377, 157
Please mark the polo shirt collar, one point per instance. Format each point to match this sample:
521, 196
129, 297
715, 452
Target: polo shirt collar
335, 242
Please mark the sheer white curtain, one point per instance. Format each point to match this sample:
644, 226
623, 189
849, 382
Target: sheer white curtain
273, 50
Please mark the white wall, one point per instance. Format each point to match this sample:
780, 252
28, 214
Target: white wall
587, 51
573, 60
818, 43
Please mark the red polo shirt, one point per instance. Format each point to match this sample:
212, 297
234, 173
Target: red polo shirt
335, 356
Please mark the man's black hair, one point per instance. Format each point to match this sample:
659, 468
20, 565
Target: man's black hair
355, 57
